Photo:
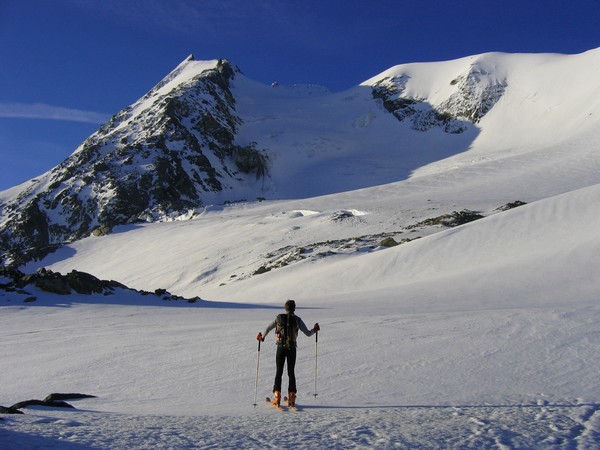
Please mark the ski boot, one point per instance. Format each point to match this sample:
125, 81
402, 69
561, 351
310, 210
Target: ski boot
276, 399
292, 400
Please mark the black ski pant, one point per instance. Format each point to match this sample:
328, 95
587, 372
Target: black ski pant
283, 355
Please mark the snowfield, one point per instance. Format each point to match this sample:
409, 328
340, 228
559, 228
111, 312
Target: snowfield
485, 335
175, 376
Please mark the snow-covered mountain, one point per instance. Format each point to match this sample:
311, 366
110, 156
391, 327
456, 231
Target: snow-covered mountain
206, 135
406, 154
153, 159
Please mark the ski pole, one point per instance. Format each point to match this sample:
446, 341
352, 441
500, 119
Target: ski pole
257, 366
316, 353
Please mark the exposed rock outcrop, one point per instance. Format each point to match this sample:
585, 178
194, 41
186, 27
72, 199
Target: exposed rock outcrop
74, 282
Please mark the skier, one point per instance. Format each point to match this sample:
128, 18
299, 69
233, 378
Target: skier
287, 326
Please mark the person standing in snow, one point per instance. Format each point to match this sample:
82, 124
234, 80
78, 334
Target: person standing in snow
286, 328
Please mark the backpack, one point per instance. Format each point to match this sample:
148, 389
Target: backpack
286, 328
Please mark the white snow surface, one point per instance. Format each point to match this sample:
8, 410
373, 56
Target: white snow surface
480, 336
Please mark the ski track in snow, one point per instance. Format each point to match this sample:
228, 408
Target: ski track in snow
426, 427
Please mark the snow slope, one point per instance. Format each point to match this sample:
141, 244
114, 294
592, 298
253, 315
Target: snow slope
479, 336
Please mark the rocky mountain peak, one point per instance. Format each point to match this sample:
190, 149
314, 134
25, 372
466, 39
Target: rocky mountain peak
153, 160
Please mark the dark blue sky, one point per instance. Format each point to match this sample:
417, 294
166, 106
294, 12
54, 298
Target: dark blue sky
68, 64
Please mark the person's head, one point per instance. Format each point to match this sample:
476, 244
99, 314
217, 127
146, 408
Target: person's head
290, 306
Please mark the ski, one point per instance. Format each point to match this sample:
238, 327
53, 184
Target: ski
291, 408
270, 403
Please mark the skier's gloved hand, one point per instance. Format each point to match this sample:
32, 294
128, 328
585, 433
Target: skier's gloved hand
260, 337
316, 328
